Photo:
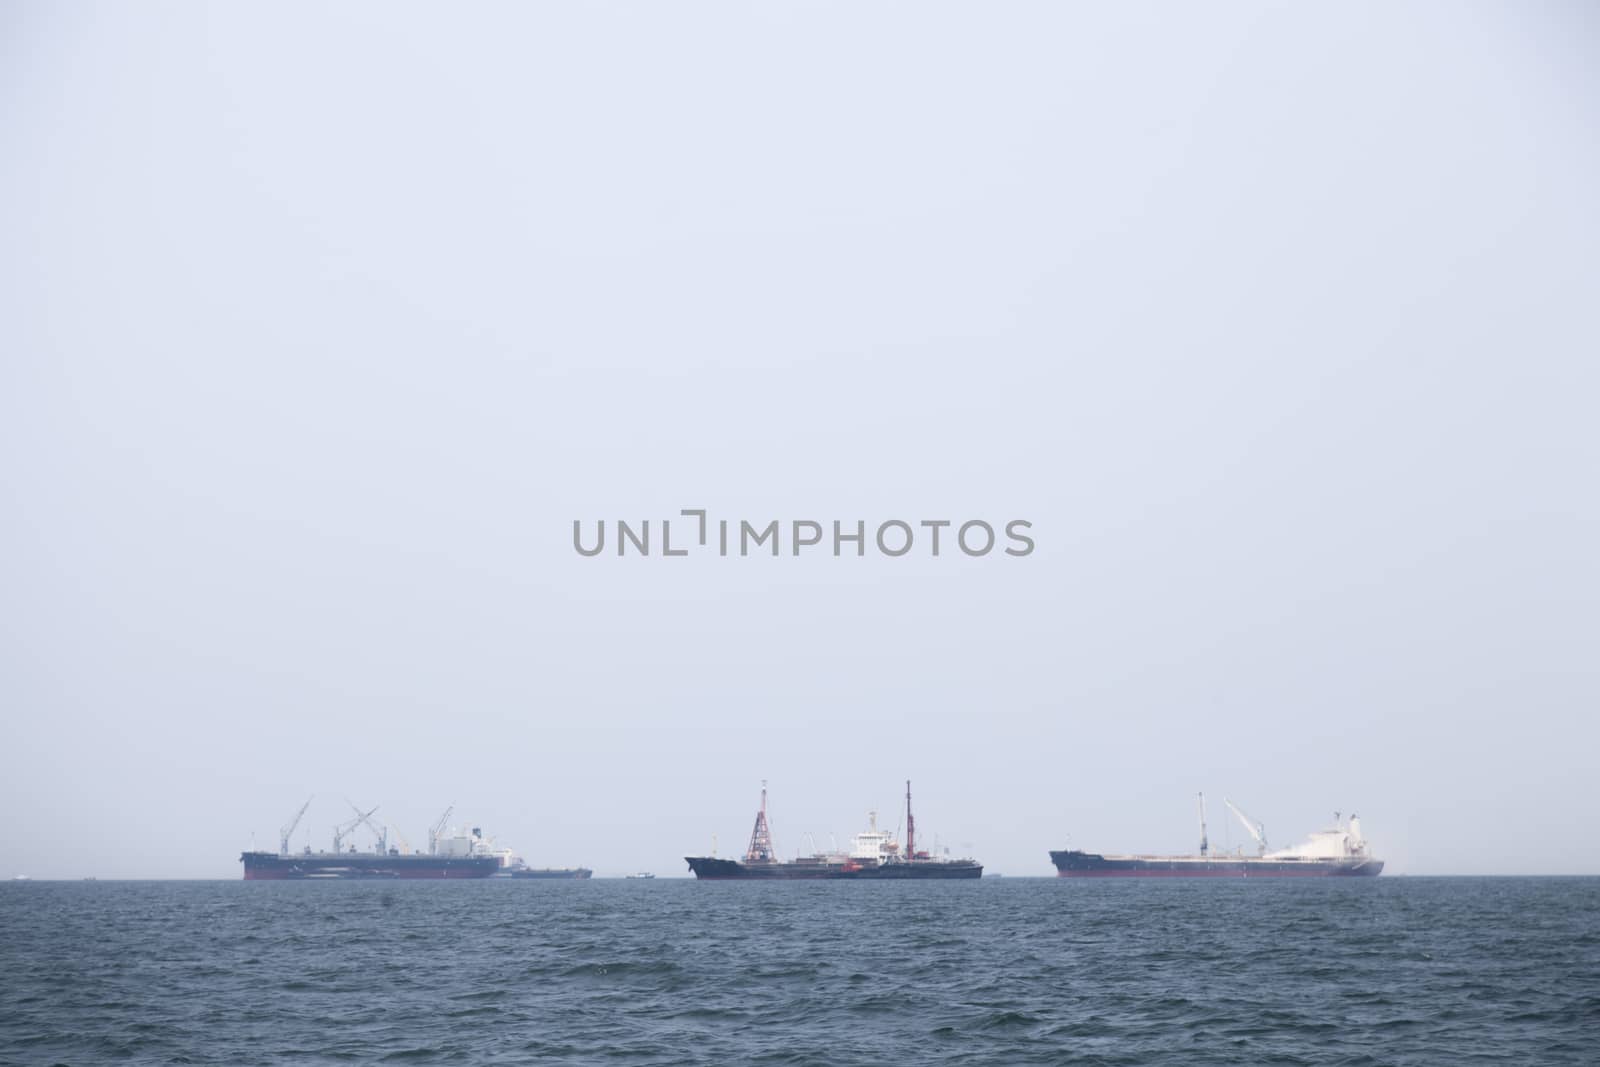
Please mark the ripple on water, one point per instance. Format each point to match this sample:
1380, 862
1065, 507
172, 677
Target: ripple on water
1420, 971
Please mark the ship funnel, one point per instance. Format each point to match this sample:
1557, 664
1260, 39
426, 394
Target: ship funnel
1355, 830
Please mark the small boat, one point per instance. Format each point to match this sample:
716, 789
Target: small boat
640, 874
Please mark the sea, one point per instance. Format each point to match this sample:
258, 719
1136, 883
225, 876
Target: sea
1392, 970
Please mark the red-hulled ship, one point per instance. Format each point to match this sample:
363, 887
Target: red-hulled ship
874, 854
1339, 851
451, 854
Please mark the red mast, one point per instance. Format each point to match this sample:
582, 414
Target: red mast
760, 850
911, 826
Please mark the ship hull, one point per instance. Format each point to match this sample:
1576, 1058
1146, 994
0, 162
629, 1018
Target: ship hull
1074, 864
271, 867
567, 873
710, 868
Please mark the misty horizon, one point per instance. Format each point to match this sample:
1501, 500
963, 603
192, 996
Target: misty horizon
318, 333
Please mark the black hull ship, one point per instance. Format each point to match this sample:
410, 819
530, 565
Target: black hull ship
1337, 852
874, 855
711, 868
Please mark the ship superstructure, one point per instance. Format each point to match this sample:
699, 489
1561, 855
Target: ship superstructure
873, 854
1339, 850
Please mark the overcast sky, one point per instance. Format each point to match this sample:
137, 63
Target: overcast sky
319, 326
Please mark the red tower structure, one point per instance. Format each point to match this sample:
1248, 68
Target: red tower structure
911, 826
761, 850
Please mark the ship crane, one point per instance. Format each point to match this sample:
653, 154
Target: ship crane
437, 829
344, 828
379, 832
288, 831
1257, 830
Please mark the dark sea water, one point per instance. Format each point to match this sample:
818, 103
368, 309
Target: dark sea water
1392, 970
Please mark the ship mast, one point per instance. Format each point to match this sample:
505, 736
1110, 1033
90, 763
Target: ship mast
911, 826
1205, 846
761, 850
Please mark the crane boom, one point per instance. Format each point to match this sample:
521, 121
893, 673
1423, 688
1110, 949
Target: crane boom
345, 827
379, 832
438, 828
288, 831
1257, 831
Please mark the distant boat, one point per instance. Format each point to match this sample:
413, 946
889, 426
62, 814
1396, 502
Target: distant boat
641, 874
518, 869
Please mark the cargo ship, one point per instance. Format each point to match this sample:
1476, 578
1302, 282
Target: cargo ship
873, 854
451, 854
1338, 851
518, 869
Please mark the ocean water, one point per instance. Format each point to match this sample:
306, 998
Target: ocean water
1391, 971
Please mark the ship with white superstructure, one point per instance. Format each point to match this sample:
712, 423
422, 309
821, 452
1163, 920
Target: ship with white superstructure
452, 852
874, 854
1339, 850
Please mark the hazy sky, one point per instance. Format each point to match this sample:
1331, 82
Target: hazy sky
319, 325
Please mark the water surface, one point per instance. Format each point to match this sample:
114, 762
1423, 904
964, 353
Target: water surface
1388, 970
